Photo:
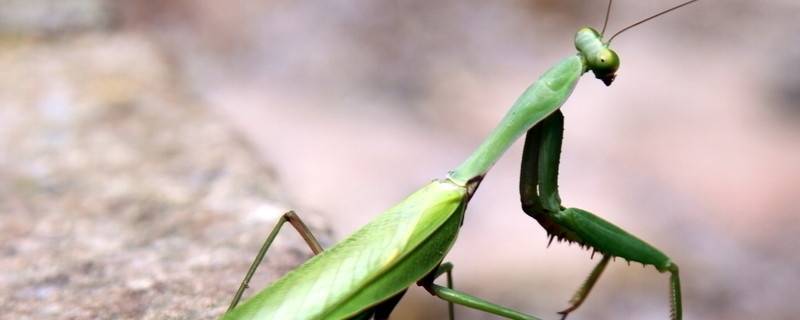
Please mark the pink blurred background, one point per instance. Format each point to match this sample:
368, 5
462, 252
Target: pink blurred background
694, 148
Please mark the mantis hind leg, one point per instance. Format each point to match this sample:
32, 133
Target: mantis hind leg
453, 296
298, 225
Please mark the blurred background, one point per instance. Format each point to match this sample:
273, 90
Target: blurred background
146, 148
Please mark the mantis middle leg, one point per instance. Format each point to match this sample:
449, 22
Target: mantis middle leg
540, 200
454, 296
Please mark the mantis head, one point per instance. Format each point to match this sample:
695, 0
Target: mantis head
603, 61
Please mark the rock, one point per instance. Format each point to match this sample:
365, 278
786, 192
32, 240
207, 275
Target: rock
120, 196
44, 17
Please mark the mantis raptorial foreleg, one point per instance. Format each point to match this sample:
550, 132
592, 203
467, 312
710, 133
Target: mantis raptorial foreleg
540, 200
298, 225
454, 296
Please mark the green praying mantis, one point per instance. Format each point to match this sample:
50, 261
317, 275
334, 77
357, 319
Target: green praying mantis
365, 275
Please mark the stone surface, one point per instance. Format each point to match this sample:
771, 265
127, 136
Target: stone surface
120, 196
49, 17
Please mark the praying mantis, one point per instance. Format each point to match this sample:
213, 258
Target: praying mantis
365, 275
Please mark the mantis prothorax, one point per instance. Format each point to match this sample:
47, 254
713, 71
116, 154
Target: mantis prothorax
365, 275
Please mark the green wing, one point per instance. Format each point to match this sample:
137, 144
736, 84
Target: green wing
379, 260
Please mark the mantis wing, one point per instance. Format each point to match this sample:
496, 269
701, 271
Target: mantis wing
376, 262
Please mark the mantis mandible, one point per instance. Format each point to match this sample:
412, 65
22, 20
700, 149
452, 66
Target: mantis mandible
365, 275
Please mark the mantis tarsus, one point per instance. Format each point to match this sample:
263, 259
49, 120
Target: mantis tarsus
365, 275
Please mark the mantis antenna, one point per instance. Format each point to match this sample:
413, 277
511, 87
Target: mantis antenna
608, 13
646, 19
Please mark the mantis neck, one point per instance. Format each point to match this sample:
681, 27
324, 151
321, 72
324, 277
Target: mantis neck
541, 99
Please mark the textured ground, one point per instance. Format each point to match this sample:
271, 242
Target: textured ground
120, 196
